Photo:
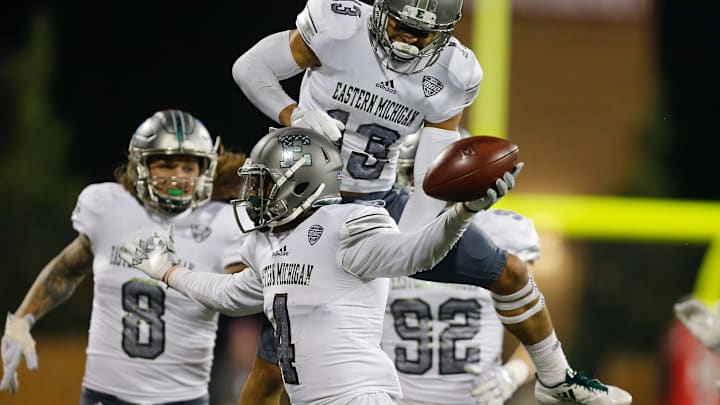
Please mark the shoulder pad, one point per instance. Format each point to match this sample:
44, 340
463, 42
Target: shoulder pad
336, 19
368, 217
463, 65
511, 231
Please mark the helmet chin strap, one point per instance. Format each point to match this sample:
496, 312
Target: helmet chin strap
300, 209
404, 51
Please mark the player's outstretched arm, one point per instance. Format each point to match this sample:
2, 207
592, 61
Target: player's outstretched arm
386, 252
236, 294
55, 284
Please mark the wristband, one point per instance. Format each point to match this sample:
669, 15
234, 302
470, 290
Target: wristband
166, 276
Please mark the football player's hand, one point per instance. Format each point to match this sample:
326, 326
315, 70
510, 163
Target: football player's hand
496, 384
16, 344
154, 257
318, 121
702, 323
502, 186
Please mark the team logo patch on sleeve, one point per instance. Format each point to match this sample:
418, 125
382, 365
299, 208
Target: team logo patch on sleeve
200, 232
314, 234
431, 86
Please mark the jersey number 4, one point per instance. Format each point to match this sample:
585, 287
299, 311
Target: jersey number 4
286, 350
420, 330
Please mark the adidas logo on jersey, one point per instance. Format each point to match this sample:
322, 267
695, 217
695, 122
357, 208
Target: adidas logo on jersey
280, 252
387, 86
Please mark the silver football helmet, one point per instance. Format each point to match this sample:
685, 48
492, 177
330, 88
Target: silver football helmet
289, 171
167, 133
418, 17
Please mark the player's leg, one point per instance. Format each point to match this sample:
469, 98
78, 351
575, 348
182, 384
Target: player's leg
476, 260
264, 384
521, 308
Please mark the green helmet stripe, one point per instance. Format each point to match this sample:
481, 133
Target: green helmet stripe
179, 125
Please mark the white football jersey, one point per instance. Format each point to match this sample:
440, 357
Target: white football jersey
324, 286
378, 106
432, 330
328, 322
148, 343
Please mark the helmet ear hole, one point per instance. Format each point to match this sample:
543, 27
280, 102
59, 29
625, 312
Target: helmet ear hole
325, 154
300, 188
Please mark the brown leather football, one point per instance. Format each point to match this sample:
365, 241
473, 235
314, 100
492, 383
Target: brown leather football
468, 167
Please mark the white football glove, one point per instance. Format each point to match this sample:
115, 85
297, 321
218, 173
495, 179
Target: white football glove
318, 121
154, 257
502, 186
702, 323
16, 344
495, 383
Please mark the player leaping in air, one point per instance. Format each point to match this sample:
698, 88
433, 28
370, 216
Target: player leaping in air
372, 76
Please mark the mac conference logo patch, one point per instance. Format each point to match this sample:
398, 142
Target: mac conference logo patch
431, 86
314, 233
200, 232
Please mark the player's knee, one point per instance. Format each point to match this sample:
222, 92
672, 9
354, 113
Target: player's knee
514, 276
515, 295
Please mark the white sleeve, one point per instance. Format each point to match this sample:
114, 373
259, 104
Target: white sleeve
259, 70
421, 208
371, 246
236, 294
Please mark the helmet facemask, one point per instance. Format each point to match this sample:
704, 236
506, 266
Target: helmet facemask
174, 194
402, 57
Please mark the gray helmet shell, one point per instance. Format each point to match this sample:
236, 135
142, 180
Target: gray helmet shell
289, 171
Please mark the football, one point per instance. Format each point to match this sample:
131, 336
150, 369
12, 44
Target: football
467, 168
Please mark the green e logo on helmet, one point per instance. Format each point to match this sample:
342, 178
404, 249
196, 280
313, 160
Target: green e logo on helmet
292, 150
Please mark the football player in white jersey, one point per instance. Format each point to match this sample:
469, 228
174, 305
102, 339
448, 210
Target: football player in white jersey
147, 344
439, 334
320, 269
372, 76
436, 332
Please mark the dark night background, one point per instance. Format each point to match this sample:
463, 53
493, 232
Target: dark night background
114, 66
